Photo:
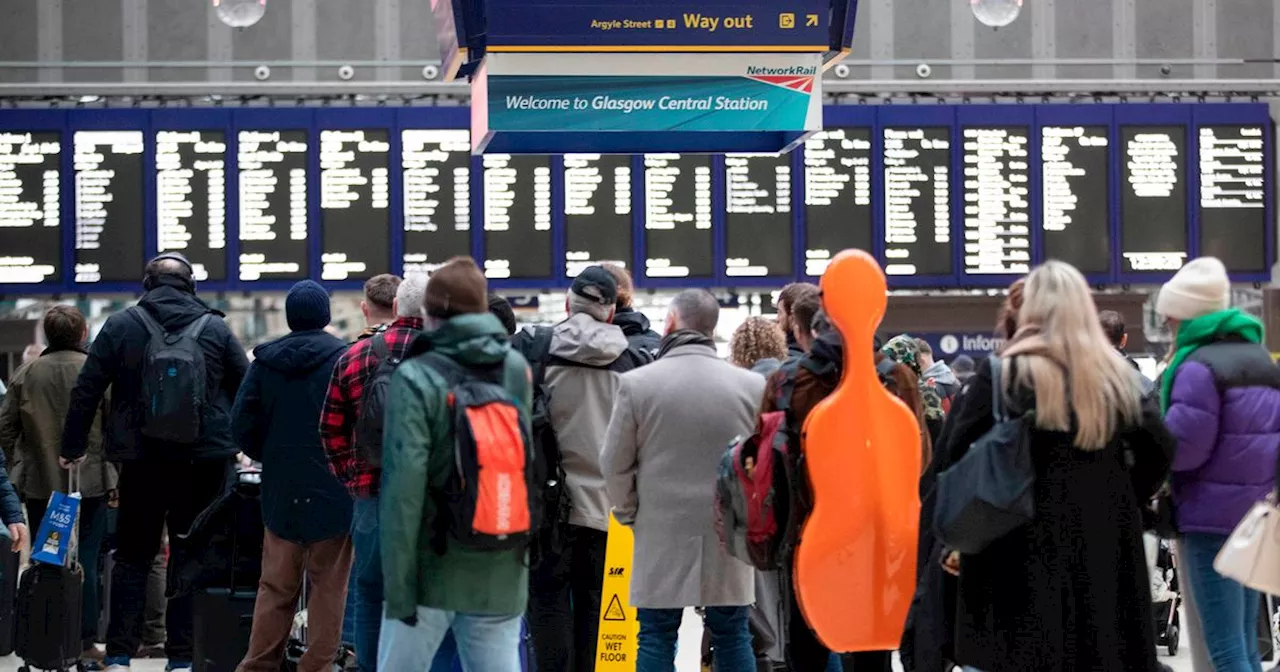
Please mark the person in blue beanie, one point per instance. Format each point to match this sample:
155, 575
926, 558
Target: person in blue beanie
307, 512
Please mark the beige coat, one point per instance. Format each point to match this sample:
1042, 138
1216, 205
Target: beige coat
670, 426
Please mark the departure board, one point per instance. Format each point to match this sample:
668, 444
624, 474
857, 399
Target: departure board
436, 168
30, 197
757, 215
837, 195
108, 206
677, 216
597, 211
997, 200
1153, 202
917, 195
355, 195
191, 199
1075, 195
273, 205
517, 216
1233, 217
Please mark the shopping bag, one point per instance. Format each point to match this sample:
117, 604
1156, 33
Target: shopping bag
56, 540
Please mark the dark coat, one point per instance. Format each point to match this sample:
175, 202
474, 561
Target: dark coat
10, 506
116, 361
276, 419
1070, 590
635, 326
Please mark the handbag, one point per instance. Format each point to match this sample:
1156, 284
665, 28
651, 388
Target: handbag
58, 535
990, 491
1251, 555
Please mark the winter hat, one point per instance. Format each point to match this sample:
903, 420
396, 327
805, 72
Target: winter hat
596, 284
456, 288
307, 306
1199, 288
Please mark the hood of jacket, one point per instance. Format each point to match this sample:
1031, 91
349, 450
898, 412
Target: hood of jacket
473, 339
174, 307
585, 340
299, 352
941, 374
631, 321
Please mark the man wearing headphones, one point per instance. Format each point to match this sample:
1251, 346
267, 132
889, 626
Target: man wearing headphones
173, 367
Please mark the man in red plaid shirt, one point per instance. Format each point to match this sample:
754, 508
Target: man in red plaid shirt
351, 375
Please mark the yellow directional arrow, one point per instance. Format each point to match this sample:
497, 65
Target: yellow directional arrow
810, 20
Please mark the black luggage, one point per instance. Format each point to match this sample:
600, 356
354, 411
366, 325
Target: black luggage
8, 594
48, 633
223, 622
221, 566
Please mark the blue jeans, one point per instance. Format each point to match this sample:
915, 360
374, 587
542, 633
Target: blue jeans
1228, 610
730, 639
486, 643
367, 572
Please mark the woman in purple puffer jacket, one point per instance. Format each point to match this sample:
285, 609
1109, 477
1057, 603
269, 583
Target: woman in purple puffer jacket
1221, 398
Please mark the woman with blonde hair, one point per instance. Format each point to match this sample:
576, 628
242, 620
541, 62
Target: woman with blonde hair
1068, 591
758, 344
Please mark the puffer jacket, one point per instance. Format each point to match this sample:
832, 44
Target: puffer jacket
1224, 409
276, 419
635, 326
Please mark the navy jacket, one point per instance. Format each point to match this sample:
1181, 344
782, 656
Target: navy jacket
116, 360
276, 420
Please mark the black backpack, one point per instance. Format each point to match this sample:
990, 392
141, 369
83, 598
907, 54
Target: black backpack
492, 500
373, 403
174, 383
556, 504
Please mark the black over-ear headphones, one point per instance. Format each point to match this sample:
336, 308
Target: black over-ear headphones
149, 281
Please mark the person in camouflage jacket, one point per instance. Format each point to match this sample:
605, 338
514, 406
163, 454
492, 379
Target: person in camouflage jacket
903, 349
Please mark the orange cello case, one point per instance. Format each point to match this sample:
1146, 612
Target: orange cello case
855, 570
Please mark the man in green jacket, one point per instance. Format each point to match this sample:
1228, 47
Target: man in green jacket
432, 583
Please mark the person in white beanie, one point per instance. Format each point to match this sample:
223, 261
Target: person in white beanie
1221, 399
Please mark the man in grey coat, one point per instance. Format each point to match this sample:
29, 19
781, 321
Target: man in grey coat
671, 423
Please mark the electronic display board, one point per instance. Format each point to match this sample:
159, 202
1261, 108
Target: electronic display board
917, 201
30, 207
597, 211
191, 199
109, 207
757, 221
1153, 199
1232, 214
837, 195
355, 199
1075, 193
997, 200
273, 204
436, 166
677, 216
517, 216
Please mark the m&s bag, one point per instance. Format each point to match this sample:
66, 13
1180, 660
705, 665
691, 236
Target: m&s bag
56, 541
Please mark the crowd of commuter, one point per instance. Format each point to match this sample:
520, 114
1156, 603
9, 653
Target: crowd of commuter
445, 483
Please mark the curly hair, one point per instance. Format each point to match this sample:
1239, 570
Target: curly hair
755, 339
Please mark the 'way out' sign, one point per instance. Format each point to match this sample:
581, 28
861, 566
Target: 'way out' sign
619, 630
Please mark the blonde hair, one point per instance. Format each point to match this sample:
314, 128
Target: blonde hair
755, 339
1061, 354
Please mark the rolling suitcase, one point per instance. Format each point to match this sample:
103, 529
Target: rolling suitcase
48, 633
222, 612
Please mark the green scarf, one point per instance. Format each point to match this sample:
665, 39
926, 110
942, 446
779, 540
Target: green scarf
1204, 330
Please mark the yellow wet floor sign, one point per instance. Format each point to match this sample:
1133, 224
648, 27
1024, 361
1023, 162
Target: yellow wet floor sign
619, 630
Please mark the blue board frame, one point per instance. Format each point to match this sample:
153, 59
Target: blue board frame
36, 121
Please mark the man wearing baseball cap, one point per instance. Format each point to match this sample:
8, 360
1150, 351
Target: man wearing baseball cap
576, 365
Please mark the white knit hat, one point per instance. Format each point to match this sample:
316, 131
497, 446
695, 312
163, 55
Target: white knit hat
1199, 288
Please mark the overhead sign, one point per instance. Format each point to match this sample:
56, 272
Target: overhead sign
616, 103
947, 346
658, 25
618, 639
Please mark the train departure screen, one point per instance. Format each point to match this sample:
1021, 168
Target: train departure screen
517, 216
677, 216
837, 195
917, 194
1153, 202
1075, 189
30, 197
437, 196
108, 206
1233, 218
997, 201
355, 192
757, 215
191, 199
273, 205
597, 211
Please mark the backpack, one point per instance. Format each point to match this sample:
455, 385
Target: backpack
373, 403
492, 500
174, 383
556, 503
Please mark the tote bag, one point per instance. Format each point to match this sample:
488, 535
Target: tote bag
1251, 555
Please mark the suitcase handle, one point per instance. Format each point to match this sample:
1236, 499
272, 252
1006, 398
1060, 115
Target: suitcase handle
73, 479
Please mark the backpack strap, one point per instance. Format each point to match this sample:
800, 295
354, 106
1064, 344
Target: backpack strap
539, 355
143, 316
193, 330
381, 351
787, 388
